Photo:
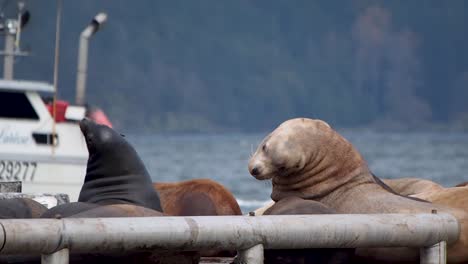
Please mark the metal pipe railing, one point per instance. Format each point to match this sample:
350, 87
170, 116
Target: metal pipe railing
46, 236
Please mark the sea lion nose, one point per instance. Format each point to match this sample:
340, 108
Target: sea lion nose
255, 171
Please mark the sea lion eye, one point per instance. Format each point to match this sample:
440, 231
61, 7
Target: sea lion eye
264, 148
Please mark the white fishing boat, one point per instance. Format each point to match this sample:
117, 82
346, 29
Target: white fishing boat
40, 140
47, 156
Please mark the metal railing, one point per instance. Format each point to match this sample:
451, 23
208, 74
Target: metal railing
55, 238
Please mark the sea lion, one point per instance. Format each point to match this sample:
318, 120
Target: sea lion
115, 172
293, 205
306, 158
116, 185
115, 175
410, 186
400, 187
87, 210
15, 208
20, 208
196, 197
455, 197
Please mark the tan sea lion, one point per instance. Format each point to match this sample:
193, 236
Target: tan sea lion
306, 158
455, 197
410, 186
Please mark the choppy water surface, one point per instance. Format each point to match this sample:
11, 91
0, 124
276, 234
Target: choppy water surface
439, 157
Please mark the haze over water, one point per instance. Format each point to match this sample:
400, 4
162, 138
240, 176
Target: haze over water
441, 157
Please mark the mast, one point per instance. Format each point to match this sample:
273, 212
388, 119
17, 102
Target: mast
11, 27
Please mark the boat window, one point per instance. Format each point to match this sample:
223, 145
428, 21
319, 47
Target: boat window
16, 105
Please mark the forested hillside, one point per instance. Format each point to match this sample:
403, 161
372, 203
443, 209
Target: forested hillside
213, 65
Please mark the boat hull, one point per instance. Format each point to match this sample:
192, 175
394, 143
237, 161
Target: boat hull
45, 176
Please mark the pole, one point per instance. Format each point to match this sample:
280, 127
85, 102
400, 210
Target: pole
59, 257
9, 60
82, 71
253, 255
45, 236
56, 65
435, 254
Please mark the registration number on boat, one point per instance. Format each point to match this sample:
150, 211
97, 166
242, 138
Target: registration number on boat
17, 170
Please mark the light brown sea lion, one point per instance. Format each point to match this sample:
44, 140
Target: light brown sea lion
410, 186
455, 197
306, 158
196, 197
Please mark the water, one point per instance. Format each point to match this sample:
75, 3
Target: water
440, 157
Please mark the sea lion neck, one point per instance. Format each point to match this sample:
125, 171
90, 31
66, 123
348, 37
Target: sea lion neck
320, 186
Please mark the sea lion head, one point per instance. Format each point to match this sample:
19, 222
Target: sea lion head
98, 137
109, 149
285, 150
302, 152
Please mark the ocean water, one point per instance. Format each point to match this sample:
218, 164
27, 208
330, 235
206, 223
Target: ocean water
440, 157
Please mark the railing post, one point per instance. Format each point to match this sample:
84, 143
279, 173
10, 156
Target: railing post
435, 254
58, 257
253, 255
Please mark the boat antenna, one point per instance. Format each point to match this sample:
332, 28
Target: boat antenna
56, 62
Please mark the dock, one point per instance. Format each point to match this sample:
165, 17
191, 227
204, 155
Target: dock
249, 235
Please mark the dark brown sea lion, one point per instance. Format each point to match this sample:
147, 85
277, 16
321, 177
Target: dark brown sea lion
20, 208
293, 205
306, 158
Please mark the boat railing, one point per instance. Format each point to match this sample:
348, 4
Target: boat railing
55, 238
